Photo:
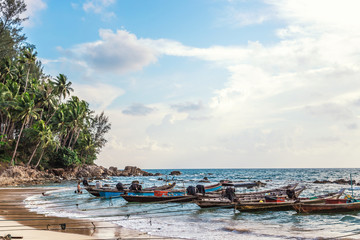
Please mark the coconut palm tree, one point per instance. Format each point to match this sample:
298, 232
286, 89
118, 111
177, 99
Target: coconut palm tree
26, 109
40, 130
28, 58
46, 140
62, 86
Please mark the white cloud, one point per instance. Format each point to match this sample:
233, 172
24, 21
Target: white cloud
33, 7
118, 52
99, 95
99, 7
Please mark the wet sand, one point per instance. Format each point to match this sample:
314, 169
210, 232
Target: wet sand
17, 220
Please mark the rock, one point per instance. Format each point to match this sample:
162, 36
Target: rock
175, 173
205, 178
322, 181
134, 171
204, 181
58, 171
22, 175
157, 174
343, 181
124, 174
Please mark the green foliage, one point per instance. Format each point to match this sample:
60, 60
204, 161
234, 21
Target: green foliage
37, 127
10, 26
65, 157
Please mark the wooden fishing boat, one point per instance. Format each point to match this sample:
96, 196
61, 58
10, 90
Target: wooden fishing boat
330, 206
169, 196
113, 192
95, 191
251, 195
209, 201
158, 199
280, 204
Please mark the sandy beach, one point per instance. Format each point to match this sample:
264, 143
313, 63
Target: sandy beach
18, 221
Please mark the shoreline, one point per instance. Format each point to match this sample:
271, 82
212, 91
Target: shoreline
17, 220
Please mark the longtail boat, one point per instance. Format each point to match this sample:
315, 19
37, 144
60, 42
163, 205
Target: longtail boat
169, 196
280, 204
113, 192
330, 206
208, 200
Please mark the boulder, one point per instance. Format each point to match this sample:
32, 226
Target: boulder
58, 171
322, 181
343, 181
175, 173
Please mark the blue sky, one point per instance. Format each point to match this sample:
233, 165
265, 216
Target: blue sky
211, 83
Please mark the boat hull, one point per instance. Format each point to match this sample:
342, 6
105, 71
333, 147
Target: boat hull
155, 199
327, 208
273, 206
113, 193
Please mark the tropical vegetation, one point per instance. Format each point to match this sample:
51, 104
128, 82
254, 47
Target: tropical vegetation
41, 123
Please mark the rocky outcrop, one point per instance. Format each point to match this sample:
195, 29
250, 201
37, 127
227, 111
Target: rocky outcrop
21, 175
339, 181
175, 173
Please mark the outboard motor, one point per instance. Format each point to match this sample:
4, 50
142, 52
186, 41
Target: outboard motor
200, 189
120, 186
135, 187
291, 194
85, 182
191, 190
230, 194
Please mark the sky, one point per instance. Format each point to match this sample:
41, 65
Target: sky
211, 83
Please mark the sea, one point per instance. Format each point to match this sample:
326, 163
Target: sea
187, 220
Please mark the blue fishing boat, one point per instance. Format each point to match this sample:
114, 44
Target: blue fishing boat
113, 192
171, 196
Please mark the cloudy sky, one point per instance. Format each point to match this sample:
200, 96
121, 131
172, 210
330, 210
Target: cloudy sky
211, 83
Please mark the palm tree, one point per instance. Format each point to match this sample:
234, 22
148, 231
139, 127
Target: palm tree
26, 109
10, 92
47, 139
5, 95
80, 115
62, 86
40, 131
28, 58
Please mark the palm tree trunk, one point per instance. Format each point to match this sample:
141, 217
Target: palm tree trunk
27, 78
76, 138
33, 154
42, 153
10, 130
7, 125
17, 144
50, 117
72, 135
66, 138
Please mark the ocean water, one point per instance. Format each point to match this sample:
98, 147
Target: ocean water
187, 220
